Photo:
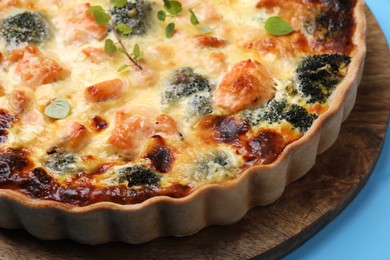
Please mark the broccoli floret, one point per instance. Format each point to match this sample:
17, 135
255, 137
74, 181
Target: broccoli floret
25, 28
61, 162
299, 117
317, 76
134, 14
214, 166
183, 84
276, 111
221, 160
271, 113
138, 175
200, 105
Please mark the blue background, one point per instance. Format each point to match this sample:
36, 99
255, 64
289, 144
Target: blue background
362, 230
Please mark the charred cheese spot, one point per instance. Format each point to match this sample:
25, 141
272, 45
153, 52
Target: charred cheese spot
13, 161
266, 145
224, 129
161, 158
160, 155
99, 124
332, 27
6, 121
38, 184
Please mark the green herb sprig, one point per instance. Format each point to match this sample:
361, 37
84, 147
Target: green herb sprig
172, 9
137, 54
110, 47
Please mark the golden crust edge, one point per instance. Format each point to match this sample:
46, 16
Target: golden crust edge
210, 204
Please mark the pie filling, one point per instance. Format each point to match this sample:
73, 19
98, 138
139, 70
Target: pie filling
132, 100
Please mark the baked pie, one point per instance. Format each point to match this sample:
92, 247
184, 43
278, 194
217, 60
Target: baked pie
163, 117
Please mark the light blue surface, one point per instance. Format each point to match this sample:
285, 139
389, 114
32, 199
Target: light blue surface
362, 230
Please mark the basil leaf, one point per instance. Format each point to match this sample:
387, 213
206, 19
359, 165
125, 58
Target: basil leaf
123, 28
277, 26
194, 20
110, 47
100, 16
58, 109
169, 30
119, 3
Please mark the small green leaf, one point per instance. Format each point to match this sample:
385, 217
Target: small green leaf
167, 4
123, 28
277, 26
58, 109
161, 15
137, 53
174, 9
119, 3
169, 30
194, 20
100, 16
95, 8
205, 29
121, 50
123, 68
136, 50
110, 47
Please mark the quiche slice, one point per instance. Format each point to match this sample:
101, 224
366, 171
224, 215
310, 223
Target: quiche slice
132, 120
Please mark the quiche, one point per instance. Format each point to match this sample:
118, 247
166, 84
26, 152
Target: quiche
131, 120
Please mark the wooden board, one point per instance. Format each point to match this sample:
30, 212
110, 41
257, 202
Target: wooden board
272, 231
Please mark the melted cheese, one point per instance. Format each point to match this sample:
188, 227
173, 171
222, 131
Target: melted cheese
236, 22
